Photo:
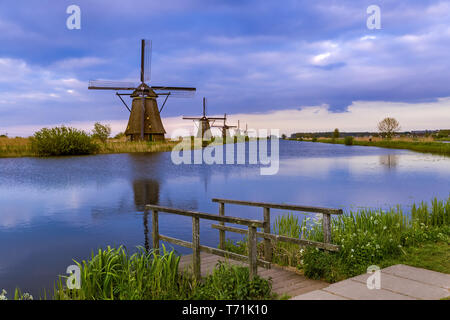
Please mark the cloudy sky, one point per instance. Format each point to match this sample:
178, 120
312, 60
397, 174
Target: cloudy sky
293, 65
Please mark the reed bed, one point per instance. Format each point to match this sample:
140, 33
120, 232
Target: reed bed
112, 274
15, 147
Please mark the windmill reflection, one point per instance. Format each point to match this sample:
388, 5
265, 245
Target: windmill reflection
146, 191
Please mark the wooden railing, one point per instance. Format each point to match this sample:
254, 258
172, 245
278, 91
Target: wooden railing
251, 232
268, 250
252, 259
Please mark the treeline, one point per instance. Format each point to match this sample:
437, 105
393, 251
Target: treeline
330, 134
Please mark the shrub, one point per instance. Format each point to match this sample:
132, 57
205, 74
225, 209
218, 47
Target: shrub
101, 132
62, 141
314, 139
348, 141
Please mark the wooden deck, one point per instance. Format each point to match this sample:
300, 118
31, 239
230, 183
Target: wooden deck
284, 281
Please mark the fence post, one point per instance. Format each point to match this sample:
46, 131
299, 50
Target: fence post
155, 230
196, 247
326, 226
252, 252
222, 232
267, 242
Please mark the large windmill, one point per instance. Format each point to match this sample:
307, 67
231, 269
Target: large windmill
145, 120
204, 123
225, 128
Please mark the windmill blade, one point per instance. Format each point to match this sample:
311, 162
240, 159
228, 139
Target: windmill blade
191, 118
183, 92
174, 88
111, 85
146, 60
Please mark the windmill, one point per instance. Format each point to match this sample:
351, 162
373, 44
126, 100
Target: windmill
225, 127
145, 119
204, 123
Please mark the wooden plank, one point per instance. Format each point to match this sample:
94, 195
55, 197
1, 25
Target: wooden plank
267, 243
222, 232
232, 255
275, 237
280, 206
155, 230
196, 247
252, 252
176, 241
326, 226
207, 216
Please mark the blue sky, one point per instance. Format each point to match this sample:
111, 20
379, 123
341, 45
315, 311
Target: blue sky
247, 57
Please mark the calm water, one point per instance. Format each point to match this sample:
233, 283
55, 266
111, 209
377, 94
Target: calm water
58, 209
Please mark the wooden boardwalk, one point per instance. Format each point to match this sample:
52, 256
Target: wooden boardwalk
284, 281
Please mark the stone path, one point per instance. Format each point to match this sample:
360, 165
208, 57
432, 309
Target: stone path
399, 282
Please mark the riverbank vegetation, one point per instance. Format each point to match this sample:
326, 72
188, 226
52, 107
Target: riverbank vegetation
425, 145
367, 237
63, 141
113, 274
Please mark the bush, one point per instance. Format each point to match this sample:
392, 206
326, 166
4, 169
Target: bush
314, 139
101, 132
348, 141
62, 141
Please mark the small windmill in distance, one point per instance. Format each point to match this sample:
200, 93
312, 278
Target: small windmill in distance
225, 128
204, 123
145, 119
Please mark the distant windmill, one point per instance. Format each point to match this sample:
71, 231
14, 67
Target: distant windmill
204, 123
145, 119
225, 127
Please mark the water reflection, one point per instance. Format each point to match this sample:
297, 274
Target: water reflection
390, 161
145, 192
59, 209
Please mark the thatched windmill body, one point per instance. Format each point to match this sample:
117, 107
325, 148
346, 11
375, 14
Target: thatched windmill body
225, 128
145, 119
204, 123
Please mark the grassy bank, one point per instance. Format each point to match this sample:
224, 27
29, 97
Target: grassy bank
22, 147
367, 237
423, 145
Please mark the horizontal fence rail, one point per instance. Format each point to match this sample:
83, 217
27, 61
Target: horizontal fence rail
280, 206
268, 249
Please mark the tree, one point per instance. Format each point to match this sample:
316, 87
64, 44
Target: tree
336, 133
388, 126
283, 136
101, 132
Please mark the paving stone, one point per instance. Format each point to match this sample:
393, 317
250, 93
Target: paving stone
422, 275
318, 295
407, 287
356, 290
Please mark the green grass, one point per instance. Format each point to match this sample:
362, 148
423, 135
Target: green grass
112, 274
432, 256
419, 146
366, 237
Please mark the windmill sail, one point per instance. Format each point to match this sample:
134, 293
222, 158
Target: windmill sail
111, 85
146, 60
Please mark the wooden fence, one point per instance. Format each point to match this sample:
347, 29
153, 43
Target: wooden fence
195, 244
268, 250
251, 231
